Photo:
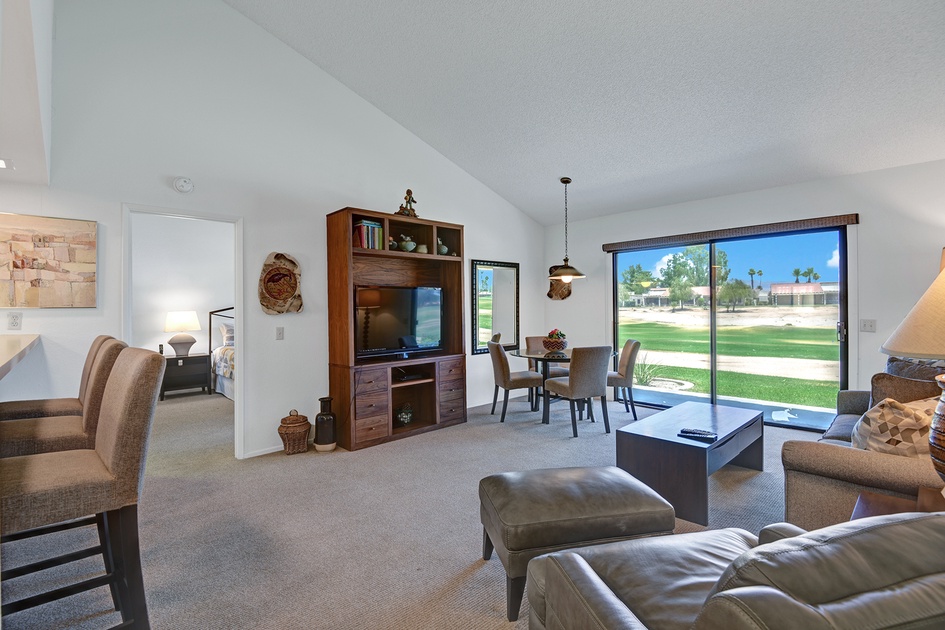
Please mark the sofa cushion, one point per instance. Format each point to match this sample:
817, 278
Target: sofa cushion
842, 427
663, 581
857, 574
896, 428
921, 369
899, 388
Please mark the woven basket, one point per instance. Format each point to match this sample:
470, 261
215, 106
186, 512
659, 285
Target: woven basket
554, 345
294, 431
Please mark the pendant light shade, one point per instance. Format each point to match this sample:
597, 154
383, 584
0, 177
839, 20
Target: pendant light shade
566, 273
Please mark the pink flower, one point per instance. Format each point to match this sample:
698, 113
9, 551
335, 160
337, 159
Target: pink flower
556, 334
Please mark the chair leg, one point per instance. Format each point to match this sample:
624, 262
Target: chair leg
544, 409
127, 557
603, 408
505, 403
107, 557
514, 590
495, 397
632, 406
573, 418
535, 398
626, 406
487, 545
590, 410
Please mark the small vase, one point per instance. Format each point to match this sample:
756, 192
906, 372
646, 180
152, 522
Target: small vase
554, 345
325, 427
407, 246
421, 249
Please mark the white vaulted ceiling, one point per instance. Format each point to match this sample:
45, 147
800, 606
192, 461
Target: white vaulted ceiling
642, 103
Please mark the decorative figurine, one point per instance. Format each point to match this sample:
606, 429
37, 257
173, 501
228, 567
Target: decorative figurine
407, 208
391, 243
440, 247
407, 244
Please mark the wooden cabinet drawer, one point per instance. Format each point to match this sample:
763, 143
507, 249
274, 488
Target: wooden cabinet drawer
370, 404
456, 393
373, 380
452, 368
371, 428
453, 410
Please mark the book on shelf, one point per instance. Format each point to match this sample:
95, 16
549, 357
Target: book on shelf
368, 234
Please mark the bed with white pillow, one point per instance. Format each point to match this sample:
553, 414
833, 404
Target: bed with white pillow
222, 352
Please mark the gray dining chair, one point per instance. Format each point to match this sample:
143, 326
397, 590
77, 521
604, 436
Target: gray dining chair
509, 380
587, 379
622, 379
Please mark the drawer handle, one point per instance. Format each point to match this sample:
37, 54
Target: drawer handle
371, 405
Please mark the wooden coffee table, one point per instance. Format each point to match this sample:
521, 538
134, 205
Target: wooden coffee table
678, 468
876, 504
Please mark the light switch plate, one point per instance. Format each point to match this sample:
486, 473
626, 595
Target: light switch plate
867, 325
280, 333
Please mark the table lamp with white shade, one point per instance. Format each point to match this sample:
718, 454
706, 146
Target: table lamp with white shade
181, 322
920, 336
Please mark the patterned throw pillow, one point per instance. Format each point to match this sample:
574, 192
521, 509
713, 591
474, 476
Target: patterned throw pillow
228, 336
896, 428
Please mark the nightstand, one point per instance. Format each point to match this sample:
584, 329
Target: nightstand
187, 373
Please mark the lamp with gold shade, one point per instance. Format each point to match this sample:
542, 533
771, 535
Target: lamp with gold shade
920, 336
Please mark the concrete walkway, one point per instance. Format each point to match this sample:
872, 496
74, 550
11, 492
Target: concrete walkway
811, 369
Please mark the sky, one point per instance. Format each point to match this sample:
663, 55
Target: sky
775, 256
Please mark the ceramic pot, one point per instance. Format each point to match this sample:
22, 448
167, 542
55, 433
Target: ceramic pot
421, 249
407, 246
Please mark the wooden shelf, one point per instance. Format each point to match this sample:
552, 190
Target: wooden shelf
371, 385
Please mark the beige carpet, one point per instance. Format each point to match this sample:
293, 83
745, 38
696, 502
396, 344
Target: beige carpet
386, 537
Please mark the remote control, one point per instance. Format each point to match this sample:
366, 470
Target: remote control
698, 434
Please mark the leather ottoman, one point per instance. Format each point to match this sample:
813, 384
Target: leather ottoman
533, 512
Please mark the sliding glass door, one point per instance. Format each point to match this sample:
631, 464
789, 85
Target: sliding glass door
749, 321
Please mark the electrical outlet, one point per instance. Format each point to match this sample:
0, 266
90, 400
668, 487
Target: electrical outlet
867, 325
14, 321
280, 333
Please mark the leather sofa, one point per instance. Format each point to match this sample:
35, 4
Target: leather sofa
823, 479
879, 572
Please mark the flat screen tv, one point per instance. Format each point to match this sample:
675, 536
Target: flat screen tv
397, 320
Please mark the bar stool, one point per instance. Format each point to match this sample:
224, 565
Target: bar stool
29, 436
50, 492
15, 409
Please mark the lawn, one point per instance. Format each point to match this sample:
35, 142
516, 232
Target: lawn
787, 391
736, 341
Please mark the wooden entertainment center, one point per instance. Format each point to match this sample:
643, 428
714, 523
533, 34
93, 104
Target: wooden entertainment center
371, 392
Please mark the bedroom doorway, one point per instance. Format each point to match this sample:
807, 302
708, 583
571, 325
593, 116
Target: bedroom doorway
173, 262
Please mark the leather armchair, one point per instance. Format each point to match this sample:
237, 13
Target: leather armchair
864, 573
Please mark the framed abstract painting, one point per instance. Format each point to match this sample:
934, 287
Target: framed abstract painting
47, 262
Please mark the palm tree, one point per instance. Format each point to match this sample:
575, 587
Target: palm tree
808, 273
816, 277
751, 274
797, 275
759, 273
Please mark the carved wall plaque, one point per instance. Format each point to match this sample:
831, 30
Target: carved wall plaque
280, 285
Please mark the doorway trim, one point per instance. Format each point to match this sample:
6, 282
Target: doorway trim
127, 210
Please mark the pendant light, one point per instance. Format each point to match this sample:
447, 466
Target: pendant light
566, 273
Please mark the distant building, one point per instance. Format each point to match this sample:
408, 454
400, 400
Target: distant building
799, 294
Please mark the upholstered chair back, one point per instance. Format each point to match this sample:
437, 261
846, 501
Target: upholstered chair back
588, 378
500, 364
125, 420
87, 369
628, 358
98, 377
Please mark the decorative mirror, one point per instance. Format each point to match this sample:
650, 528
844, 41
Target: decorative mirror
494, 304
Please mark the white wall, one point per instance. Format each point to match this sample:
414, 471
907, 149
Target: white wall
144, 92
894, 251
178, 264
